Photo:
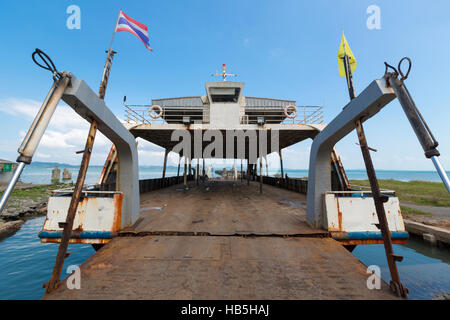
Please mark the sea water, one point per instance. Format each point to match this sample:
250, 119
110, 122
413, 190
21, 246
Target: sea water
42, 175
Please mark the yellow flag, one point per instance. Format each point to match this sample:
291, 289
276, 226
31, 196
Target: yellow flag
345, 49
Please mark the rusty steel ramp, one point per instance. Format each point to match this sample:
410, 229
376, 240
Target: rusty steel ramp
222, 240
224, 208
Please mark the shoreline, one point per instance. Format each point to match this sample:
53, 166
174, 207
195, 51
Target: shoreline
27, 201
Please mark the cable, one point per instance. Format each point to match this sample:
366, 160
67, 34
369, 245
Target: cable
49, 65
400, 70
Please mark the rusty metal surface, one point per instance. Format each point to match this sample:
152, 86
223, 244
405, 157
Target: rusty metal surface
396, 285
193, 264
65, 237
358, 213
99, 214
224, 208
371, 241
177, 267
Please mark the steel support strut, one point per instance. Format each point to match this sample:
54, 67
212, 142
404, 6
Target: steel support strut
420, 127
260, 175
68, 225
395, 284
36, 131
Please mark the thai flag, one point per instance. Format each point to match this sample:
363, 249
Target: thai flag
125, 23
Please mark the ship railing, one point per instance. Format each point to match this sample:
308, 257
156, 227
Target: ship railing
362, 193
140, 114
88, 191
305, 115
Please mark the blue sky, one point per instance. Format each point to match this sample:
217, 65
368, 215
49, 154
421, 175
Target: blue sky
281, 49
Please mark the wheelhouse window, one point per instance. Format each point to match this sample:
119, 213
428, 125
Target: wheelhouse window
230, 95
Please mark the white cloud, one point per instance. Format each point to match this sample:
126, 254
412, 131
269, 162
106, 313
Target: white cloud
66, 133
42, 155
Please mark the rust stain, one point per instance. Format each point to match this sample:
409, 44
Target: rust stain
372, 241
81, 210
339, 215
118, 198
77, 241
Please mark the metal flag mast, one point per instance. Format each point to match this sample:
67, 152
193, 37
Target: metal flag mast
68, 225
224, 73
395, 284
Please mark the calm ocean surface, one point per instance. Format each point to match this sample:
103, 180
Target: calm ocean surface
42, 175
26, 264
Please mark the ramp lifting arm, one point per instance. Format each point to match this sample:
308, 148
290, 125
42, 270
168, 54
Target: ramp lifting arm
420, 127
39, 125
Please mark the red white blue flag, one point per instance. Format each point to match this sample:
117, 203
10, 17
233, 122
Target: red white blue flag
125, 23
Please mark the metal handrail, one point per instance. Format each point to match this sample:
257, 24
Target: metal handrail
85, 191
305, 115
359, 191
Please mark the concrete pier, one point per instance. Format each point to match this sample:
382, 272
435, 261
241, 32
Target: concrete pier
222, 240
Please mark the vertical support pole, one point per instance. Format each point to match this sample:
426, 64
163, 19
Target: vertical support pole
198, 170
242, 172
395, 284
267, 166
260, 175
381, 214
178, 172
68, 225
166, 152
185, 172
190, 167
203, 169
281, 167
248, 172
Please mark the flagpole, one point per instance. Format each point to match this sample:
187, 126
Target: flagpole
396, 285
114, 31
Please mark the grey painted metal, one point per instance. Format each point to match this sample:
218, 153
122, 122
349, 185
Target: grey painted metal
420, 127
441, 171
255, 102
40, 123
11, 185
89, 106
364, 106
181, 102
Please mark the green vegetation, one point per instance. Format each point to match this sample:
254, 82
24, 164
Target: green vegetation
409, 211
420, 192
35, 193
